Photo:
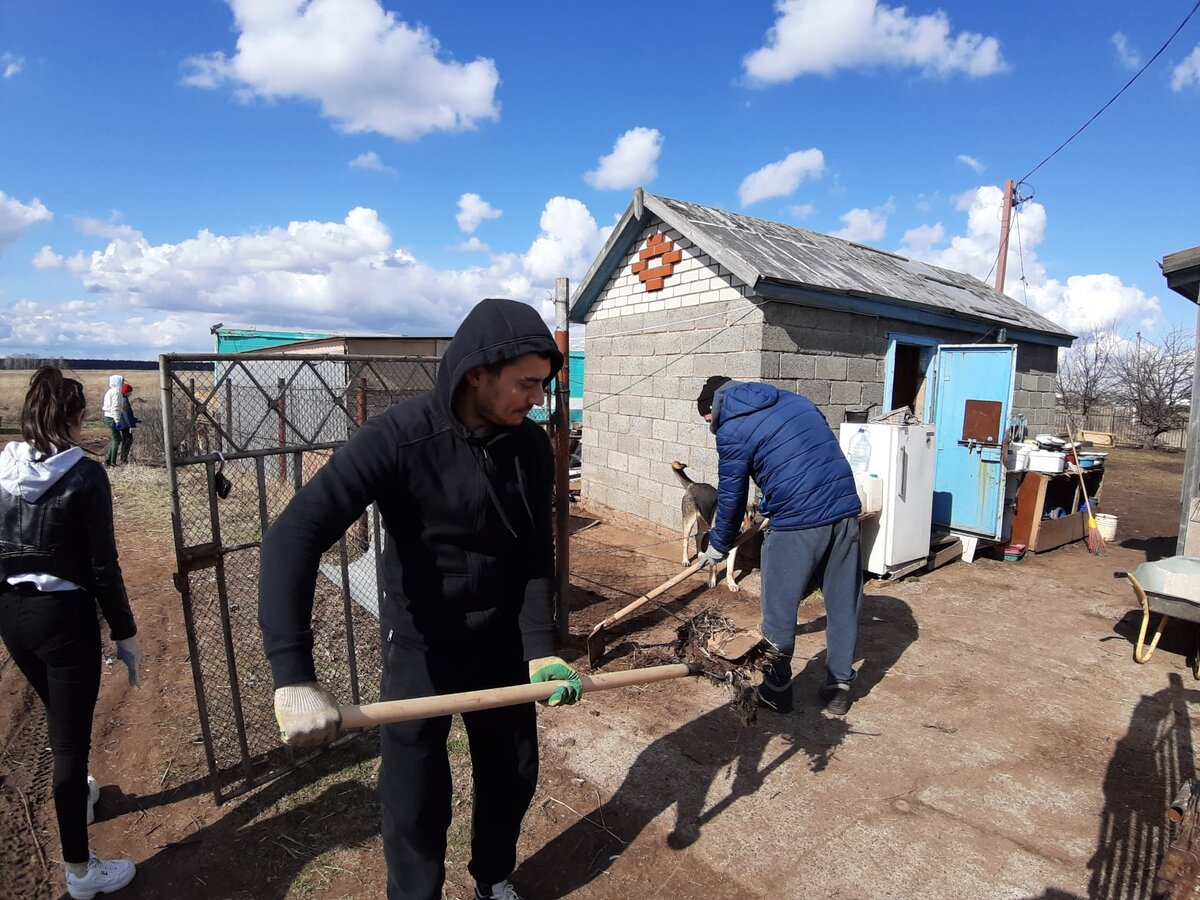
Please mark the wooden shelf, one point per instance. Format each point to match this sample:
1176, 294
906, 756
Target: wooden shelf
1040, 492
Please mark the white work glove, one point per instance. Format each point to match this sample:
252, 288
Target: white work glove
307, 714
129, 651
711, 557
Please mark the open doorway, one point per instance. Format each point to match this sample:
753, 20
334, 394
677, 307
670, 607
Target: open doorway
909, 368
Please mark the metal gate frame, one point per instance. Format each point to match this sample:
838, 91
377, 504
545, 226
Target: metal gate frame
252, 432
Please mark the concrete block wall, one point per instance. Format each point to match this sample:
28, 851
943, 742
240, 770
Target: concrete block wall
1033, 393
835, 359
648, 355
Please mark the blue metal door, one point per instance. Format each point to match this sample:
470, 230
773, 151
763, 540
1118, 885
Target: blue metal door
968, 483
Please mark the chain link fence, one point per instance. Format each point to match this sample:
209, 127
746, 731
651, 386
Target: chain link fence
240, 437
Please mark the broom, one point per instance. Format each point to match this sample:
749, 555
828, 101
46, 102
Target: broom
1095, 543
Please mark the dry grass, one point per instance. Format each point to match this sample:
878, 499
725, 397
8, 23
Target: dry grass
142, 493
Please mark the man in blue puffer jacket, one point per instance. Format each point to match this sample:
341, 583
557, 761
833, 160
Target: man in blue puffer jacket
782, 441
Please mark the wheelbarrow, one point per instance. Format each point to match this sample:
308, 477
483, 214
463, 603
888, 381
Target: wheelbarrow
1171, 588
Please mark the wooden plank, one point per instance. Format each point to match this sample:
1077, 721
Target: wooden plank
1056, 532
1030, 495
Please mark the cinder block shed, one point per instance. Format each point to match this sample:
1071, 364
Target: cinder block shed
682, 291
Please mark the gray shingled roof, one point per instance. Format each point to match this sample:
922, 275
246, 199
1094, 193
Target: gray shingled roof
757, 250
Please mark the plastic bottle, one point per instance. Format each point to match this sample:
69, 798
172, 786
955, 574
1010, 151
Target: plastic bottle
859, 454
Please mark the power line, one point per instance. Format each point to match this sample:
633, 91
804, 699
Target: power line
1096, 115
1021, 253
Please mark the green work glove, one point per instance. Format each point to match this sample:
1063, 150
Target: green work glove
555, 668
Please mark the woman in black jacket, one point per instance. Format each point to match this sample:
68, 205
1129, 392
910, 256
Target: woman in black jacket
58, 559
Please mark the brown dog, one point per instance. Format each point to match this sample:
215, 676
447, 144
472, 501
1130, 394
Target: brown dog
697, 510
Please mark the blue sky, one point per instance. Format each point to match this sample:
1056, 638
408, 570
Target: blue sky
352, 165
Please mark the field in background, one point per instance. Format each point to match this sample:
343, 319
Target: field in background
14, 383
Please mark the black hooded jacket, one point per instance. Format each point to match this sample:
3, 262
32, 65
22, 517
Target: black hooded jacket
469, 549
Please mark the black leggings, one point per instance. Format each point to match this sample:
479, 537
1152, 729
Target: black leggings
54, 638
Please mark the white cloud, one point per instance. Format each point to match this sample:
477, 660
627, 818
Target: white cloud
780, 179
368, 70
1077, 304
371, 161
472, 210
568, 242
925, 202
472, 245
801, 211
46, 258
1187, 73
970, 162
862, 225
920, 239
1084, 302
347, 276
822, 36
633, 161
112, 229
11, 64
1126, 55
16, 216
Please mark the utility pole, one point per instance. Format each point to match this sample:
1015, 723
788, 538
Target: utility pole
1005, 219
562, 460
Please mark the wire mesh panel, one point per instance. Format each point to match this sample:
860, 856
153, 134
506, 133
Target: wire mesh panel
242, 434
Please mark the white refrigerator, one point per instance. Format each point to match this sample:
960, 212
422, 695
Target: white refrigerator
902, 457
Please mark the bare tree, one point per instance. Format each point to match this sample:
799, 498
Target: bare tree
1086, 376
1155, 381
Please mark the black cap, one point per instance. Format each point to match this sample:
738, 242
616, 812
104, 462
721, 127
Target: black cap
705, 400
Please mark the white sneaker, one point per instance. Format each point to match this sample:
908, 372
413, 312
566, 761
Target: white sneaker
500, 891
103, 877
93, 796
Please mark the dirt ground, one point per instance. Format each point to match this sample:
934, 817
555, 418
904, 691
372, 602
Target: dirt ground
1003, 744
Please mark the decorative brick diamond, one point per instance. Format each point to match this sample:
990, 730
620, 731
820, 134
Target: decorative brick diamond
660, 249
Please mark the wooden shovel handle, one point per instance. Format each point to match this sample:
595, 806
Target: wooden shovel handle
368, 715
646, 598
670, 583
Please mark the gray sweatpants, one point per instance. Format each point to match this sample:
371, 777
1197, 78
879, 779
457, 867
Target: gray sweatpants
789, 561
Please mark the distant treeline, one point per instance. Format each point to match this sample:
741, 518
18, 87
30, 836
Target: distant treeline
29, 361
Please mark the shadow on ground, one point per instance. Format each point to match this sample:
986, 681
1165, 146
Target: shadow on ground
242, 855
680, 769
1179, 637
1147, 767
1154, 548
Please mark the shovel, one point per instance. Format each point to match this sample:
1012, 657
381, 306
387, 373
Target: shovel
385, 712
596, 642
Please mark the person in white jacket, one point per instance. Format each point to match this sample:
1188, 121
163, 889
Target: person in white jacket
58, 560
110, 408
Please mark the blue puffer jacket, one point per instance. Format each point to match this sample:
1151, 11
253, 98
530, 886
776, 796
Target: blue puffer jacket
782, 441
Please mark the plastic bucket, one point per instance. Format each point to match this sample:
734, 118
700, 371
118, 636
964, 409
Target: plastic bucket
1106, 524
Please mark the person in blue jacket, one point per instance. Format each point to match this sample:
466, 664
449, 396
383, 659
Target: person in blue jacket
782, 441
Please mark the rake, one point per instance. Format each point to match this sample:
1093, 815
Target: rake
1095, 543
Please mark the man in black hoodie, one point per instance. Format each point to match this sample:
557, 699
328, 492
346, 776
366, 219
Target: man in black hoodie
462, 480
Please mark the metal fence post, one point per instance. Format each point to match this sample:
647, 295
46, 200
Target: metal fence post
360, 527
281, 407
562, 462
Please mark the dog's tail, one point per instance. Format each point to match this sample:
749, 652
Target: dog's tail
679, 469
